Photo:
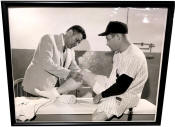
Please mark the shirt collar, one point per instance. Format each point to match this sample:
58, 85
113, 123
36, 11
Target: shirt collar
63, 43
62, 40
126, 50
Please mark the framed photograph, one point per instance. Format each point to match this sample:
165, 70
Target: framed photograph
85, 63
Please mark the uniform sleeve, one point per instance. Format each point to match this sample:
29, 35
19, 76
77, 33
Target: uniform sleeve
46, 61
128, 72
122, 84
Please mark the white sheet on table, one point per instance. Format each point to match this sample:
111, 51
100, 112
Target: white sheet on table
26, 107
83, 106
86, 106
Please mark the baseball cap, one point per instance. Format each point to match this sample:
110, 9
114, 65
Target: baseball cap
115, 27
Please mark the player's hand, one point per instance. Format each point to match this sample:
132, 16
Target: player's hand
97, 98
77, 76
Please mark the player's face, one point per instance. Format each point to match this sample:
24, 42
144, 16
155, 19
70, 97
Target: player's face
113, 42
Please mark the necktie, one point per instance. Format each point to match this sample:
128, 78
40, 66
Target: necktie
60, 81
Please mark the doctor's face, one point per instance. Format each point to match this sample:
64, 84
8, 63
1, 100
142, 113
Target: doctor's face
73, 39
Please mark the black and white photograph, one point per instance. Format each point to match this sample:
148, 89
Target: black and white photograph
86, 63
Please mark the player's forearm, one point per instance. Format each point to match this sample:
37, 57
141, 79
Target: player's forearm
122, 84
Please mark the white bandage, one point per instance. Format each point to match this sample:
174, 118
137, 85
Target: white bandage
67, 99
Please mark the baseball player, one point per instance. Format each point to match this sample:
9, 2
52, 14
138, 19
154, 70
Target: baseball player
124, 87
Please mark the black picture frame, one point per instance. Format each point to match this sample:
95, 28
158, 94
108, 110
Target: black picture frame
140, 4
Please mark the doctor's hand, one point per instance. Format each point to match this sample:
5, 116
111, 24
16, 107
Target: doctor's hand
51, 93
77, 76
97, 98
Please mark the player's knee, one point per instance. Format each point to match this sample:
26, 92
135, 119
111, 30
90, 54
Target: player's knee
99, 117
93, 118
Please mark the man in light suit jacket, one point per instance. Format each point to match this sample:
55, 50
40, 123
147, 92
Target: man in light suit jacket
53, 60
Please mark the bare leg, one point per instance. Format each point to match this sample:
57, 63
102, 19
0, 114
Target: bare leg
50, 93
54, 92
87, 76
68, 86
71, 84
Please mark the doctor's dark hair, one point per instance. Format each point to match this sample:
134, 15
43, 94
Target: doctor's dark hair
78, 29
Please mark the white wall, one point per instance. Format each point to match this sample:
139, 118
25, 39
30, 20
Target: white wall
148, 25
27, 25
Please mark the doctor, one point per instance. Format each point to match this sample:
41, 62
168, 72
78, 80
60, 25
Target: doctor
53, 61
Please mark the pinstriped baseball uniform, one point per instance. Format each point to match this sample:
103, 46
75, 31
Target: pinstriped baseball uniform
131, 62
